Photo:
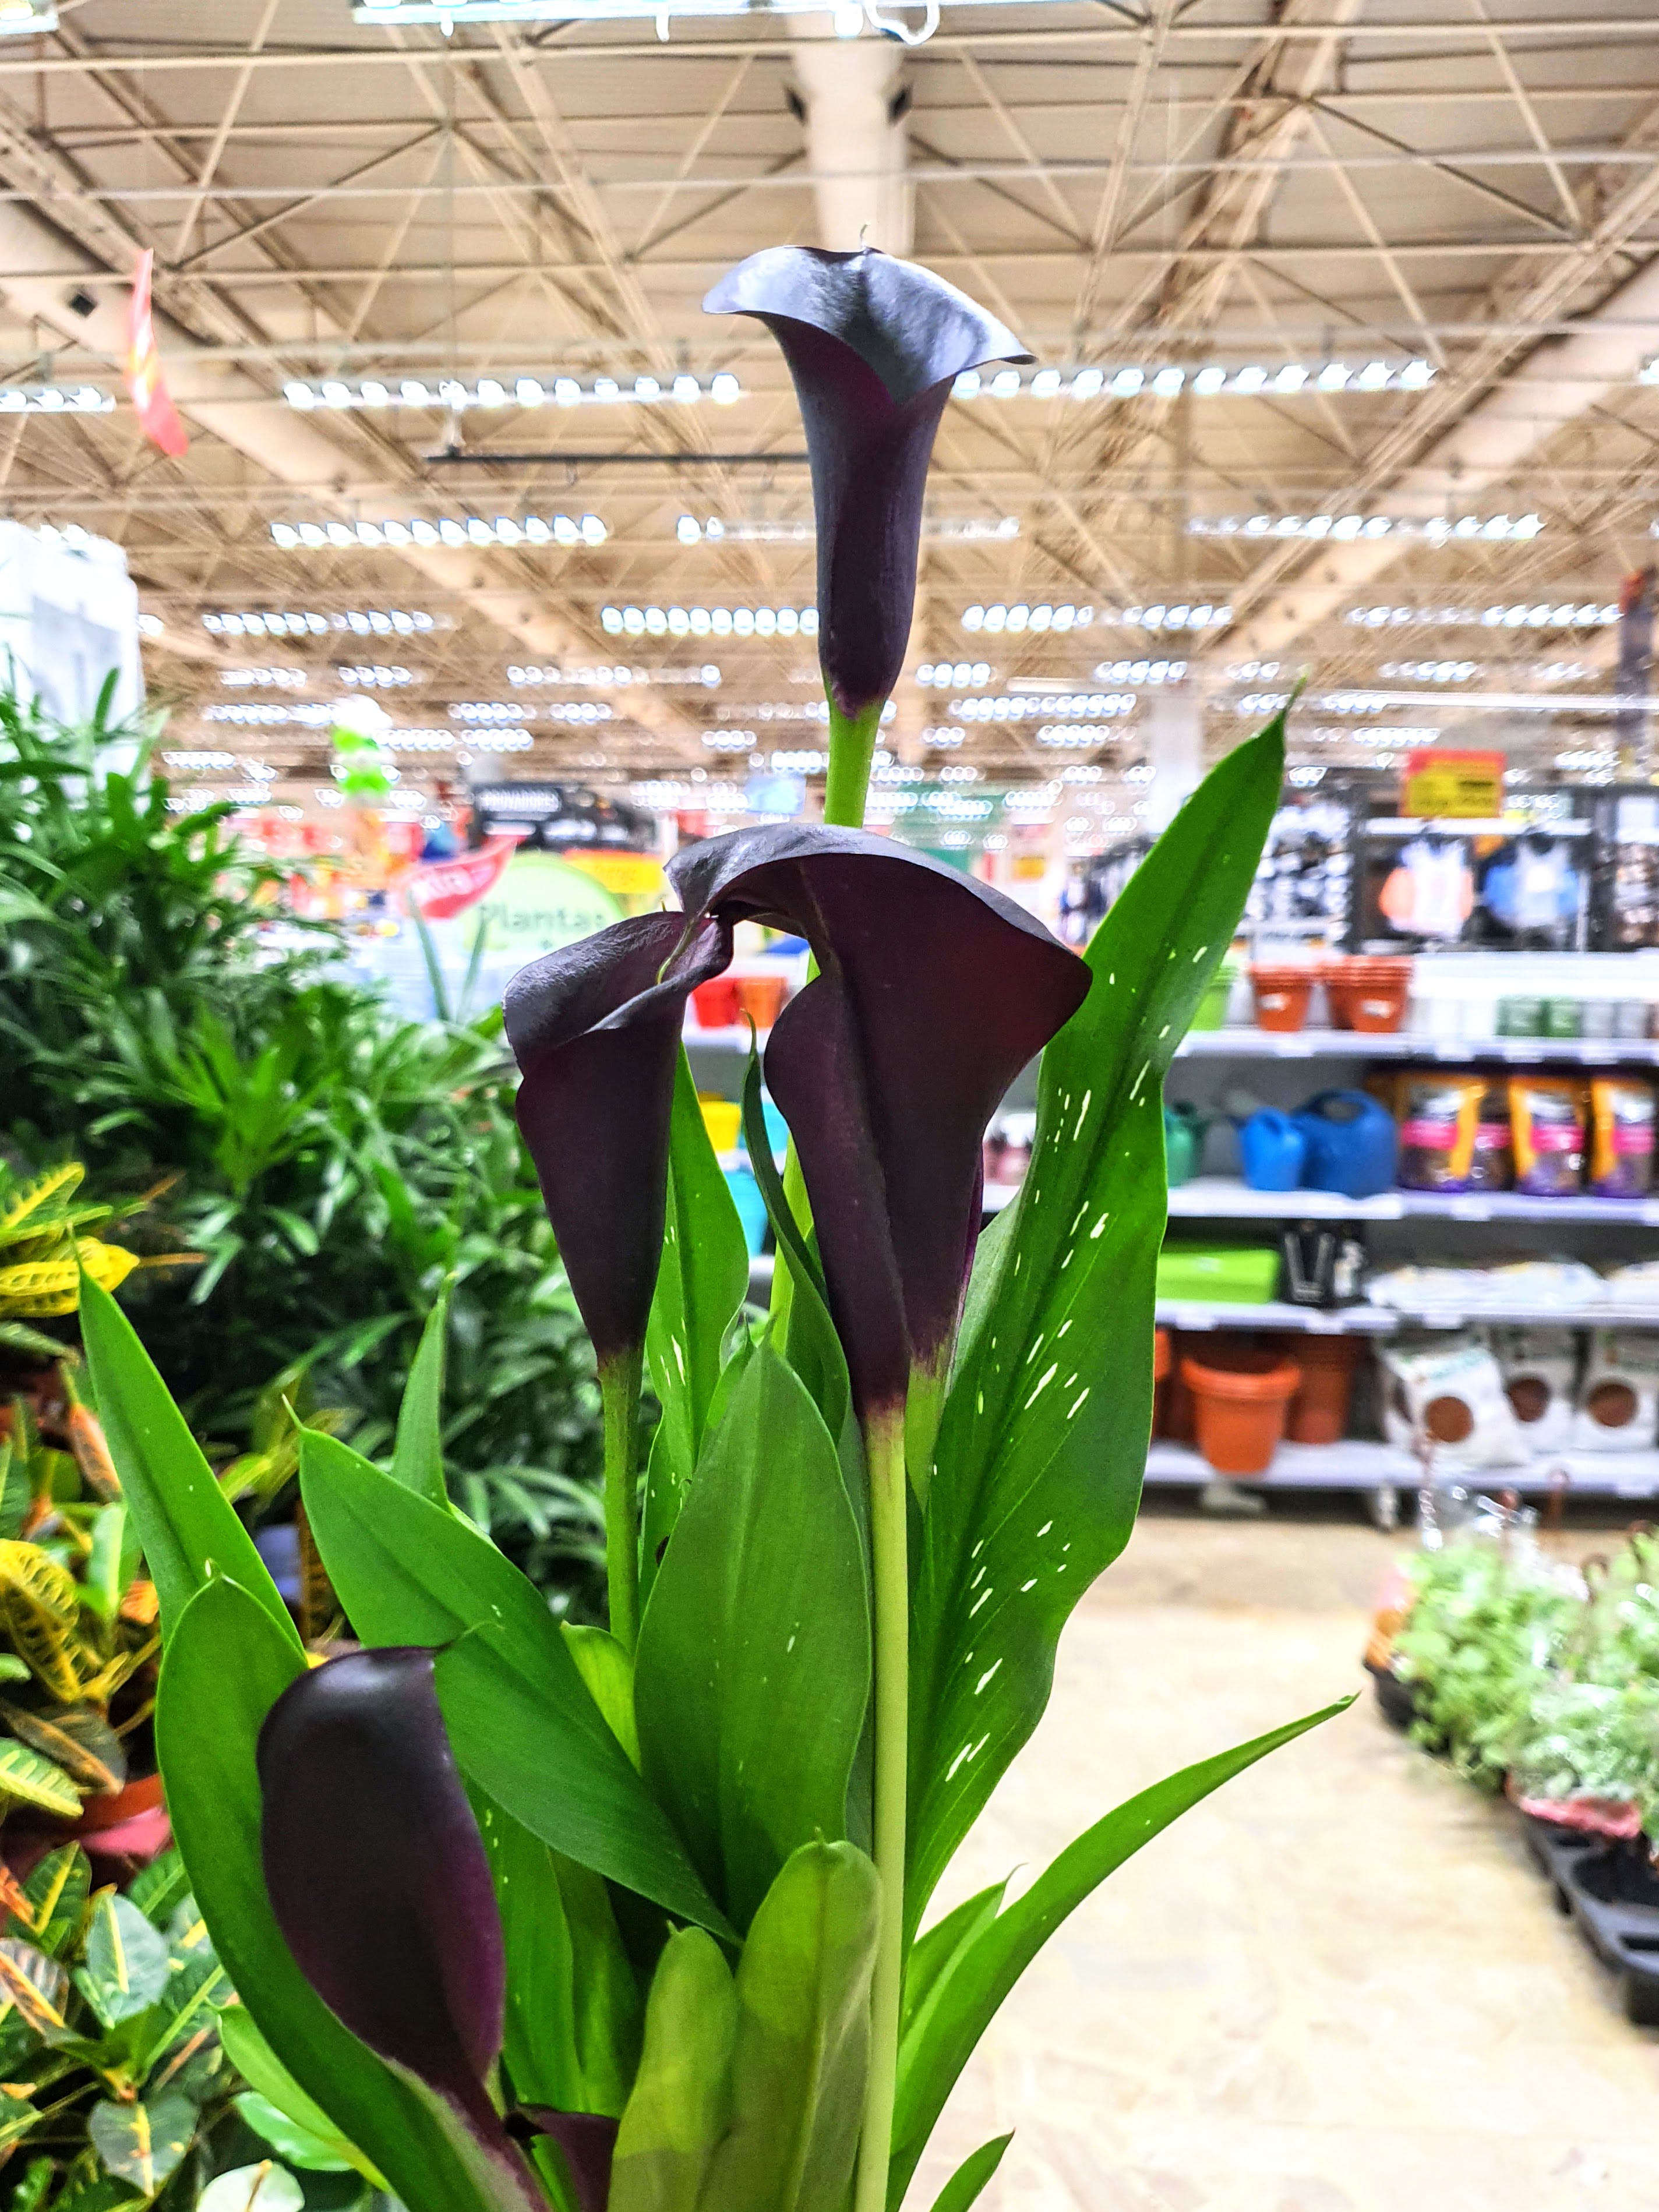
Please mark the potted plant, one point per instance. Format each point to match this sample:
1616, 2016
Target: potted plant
633, 1917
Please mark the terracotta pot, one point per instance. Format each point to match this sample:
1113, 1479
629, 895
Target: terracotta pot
1240, 1398
1179, 1416
1282, 992
1163, 1361
761, 996
1319, 1411
716, 1004
1369, 994
144, 1795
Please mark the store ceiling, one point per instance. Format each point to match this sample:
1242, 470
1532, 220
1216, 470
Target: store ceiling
1463, 192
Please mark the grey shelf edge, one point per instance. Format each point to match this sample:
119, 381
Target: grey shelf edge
1367, 1320
1357, 1463
1243, 1042
1220, 1198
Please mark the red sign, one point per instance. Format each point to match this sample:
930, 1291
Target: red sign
157, 415
443, 889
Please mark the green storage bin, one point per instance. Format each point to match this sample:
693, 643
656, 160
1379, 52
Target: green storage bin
1212, 1006
1218, 1274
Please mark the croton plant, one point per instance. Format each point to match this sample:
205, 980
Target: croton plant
638, 1920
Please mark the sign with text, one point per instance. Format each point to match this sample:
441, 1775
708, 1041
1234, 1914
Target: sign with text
1449, 786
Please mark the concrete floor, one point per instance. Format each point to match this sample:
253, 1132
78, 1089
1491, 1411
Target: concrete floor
1338, 1986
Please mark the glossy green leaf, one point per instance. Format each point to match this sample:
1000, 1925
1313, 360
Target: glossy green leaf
607, 1668
809, 1341
702, 1282
573, 2006
418, 1459
753, 1669
523, 1727
159, 1889
988, 1956
258, 2065
680, 2107
802, 2053
966, 2183
142, 2143
187, 1528
125, 1966
298, 2145
1043, 1447
55, 1894
226, 1665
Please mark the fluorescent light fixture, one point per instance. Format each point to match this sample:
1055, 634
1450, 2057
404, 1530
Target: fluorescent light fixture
264, 679
262, 717
1021, 617
709, 622
375, 677
375, 622
448, 530
54, 398
1035, 706
619, 678
1139, 671
714, 532
1649, 372
1168, 380
1435, 530
959, 675
26, 19
1543, 615
448, 395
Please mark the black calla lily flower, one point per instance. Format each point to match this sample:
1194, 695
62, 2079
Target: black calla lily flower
933, 991
874, 345
380, 1884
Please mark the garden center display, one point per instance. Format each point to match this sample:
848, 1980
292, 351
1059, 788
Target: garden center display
630, 1918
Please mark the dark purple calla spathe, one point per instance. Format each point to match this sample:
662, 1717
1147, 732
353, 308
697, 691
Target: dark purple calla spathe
873, 345
380, 1883
595, 1030
932, 993
588, 2141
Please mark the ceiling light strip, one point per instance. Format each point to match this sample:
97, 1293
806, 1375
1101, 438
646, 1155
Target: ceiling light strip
450, 396
530, 530
1148, 380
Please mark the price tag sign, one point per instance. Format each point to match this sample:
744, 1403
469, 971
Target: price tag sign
1452, 786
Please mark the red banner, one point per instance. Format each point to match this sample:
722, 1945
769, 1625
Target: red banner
444, 889
157, 415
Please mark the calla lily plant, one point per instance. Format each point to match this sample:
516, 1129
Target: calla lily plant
525, 1914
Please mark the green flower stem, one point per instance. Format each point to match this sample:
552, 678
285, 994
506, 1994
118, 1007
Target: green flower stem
851, 749
888, 1543
783, 1282
619, 1391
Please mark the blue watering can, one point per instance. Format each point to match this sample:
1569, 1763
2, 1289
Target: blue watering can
1352, 1143
1273, 1149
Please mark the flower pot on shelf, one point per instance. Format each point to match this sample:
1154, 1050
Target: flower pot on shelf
716, 1003
1282, 990
1319, 1412
1240, 1398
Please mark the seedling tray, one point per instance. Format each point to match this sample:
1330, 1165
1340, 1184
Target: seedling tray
1612, 1893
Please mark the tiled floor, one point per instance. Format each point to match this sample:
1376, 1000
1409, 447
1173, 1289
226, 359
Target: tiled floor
1338, 1986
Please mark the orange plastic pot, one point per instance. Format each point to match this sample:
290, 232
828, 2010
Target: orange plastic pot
716, 1004
1369, 993
1163, 1361
1240, 1400
761, 996
1319, 1411
1282, 992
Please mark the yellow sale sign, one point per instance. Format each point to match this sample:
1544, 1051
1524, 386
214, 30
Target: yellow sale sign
1470, 787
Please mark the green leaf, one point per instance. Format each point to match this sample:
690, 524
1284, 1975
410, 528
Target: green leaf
159, 1889
225, 1667
810, 1341
966, 2183
752, 1673
16, 1498
125, 1962
418, 1459
988, 1956
607, 1668
188, 1529
56, 1893
573, 2006
519, 1717
702, 1280
27, 1778
803, 2043
680, 2108
37, 1985
142, 2143
258, 2065
298, 2145
1043, 1441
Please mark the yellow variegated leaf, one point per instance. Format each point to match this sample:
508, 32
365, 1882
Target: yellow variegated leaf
28, 1778
80, 1740
36, 1984
39, 1609
15, 1221
44, 1287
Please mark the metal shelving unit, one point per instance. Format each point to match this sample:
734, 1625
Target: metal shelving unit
1243, 1043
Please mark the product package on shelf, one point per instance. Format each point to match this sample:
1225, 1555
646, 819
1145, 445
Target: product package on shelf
1547, 1119
1446, 1396
1621, 1136
1538, 1365
1618, 1398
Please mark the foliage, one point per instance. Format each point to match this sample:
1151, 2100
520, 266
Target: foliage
336, 1165
46, 1240
109, 2043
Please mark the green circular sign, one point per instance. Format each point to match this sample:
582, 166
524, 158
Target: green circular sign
540, 903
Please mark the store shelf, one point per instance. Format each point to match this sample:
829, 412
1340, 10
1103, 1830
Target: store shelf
1367, 1320
1222, 1198
1356, 1463
1246, 1043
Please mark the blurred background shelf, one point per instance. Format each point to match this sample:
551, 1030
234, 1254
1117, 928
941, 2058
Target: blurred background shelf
1358, 1464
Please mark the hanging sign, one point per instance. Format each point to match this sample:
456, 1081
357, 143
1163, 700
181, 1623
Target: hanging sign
157, 415
1450, 785
443, 889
